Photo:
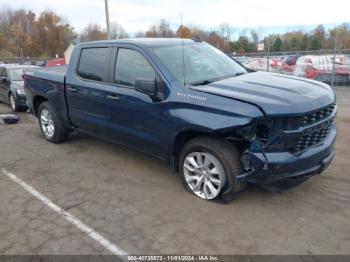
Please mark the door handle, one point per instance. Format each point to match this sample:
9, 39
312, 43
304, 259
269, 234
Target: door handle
72, 89
113, 97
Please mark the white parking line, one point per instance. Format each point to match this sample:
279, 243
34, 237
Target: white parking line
66, 215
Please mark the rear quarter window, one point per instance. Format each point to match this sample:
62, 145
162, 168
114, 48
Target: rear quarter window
93, 63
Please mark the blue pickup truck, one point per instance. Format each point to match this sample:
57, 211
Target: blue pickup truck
219, 125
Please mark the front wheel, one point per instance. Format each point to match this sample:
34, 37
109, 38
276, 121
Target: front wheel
51, 126
209, 167
13, 104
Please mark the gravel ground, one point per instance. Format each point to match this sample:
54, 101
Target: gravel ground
137, 203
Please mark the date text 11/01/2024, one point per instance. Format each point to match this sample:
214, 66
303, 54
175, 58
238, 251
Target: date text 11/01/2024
173, 258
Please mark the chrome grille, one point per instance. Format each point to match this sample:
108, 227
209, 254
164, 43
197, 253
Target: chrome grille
317, 116
312, 139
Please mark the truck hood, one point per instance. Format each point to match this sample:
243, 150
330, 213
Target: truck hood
17, 84
275, 94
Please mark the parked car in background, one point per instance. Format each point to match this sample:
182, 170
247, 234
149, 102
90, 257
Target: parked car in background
257, 64
216, 123
260, 63
287, 64
56, 62
40, 63
276, 62
241, 59
320, 68
12, 85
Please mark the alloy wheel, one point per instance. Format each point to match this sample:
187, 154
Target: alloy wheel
13, 103
47, 124
204, 174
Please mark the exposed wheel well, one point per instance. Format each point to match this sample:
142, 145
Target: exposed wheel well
36, 103
181, 139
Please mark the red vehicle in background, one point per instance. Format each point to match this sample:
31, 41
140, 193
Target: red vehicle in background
287, 65
260, 63
56, 62
320, 68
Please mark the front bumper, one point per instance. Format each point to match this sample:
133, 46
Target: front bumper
21, 101
286, 165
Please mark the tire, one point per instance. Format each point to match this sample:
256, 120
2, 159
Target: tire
13, 104
225, 159
51, 125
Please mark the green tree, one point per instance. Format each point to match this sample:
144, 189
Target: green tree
315, 43
277, 45
304, 45
294, 45
320, 34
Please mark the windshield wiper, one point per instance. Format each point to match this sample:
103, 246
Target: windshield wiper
209, 81
202, 83
239, 73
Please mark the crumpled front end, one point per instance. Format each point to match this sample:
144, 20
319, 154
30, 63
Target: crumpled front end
289, 150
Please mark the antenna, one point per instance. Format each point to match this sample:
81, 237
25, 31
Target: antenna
183, 51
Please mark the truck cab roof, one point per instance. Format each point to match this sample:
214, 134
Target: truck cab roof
145, 42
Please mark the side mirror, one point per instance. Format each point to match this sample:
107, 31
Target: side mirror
5, 81
146, 85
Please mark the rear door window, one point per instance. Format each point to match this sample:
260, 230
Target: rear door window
3, 72
93, 63
131, 65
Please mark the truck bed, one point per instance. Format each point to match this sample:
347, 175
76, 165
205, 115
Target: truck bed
56, 74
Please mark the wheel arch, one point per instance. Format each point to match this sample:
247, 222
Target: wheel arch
231, 135
37, 101
182, 138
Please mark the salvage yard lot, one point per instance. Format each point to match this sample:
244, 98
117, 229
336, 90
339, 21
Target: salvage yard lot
137, 203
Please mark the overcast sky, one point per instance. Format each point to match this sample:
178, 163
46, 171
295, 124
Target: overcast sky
137, 15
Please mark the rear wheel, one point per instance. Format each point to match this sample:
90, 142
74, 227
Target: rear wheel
50, 124
209, 167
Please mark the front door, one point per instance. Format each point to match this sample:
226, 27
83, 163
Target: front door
135, 119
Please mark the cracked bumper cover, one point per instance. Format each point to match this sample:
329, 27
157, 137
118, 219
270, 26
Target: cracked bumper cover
285, 165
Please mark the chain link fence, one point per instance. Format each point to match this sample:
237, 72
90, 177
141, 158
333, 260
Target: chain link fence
40, 61
329, 66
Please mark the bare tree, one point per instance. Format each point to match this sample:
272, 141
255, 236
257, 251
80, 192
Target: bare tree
6, 16
230, 31
256, 35
117, 31
161, 30
227, 31
93, 32
152, 31
140, 34
222, 30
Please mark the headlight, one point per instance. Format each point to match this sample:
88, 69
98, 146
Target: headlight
248, 132
20, 91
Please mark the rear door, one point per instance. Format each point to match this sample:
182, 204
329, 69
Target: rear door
86, 91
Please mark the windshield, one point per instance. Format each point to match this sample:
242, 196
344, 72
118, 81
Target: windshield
201, 63
16, 74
